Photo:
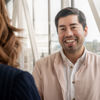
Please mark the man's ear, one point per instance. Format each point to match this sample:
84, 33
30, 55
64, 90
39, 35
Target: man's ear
85, 31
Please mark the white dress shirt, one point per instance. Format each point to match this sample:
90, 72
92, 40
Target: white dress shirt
70, 69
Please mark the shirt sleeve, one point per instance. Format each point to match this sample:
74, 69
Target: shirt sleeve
38, 79
24, 87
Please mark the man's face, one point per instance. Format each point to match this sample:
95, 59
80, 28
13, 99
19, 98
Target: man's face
71, 34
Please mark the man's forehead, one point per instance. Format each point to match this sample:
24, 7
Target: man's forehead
70, 19
73, 24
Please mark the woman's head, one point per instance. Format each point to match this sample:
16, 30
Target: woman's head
9, 43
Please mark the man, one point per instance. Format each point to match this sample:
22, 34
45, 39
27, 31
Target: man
16, 84
73, 73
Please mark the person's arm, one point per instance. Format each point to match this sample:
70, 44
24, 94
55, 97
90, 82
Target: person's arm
38, 79
24, 87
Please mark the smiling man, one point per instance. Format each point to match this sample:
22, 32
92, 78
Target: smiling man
71, 35
73, 73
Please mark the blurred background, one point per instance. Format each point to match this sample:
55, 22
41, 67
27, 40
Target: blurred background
36, 17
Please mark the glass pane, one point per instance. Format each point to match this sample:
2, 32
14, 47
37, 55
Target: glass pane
97, 5
41, 25
54, 11
92, 41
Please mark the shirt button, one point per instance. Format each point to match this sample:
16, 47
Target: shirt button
73, 82
71, 67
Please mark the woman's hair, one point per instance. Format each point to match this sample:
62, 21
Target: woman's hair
10, 45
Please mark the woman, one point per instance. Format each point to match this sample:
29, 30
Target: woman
15, 84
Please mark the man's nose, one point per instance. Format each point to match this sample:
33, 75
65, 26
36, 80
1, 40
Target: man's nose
68, 32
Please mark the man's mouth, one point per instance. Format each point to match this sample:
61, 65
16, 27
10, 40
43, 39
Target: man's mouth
69, 41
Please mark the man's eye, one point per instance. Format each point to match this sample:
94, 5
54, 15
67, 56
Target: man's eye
73, 27
62, 29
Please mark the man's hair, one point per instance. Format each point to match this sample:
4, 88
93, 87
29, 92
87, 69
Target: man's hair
71, 11
10, 45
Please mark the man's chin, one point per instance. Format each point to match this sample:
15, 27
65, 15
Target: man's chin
69, 50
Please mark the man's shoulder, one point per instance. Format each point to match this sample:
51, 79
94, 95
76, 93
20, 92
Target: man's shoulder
92, 55
50, 58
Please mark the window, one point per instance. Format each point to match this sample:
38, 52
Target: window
92, 41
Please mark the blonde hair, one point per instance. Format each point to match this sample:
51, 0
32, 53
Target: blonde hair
10, 45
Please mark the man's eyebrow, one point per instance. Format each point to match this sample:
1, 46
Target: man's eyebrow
73, 24
70, 25
61, 26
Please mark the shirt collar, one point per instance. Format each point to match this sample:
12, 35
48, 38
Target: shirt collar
68, 62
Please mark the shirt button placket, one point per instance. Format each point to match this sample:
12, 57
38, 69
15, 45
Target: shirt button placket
73, 82
71, 67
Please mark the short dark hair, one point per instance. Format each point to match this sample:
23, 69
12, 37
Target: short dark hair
71, 11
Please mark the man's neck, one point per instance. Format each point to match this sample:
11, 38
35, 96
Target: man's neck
73, 57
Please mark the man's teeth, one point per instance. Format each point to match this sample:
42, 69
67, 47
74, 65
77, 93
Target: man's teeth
68, 41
